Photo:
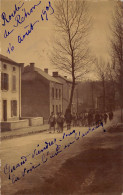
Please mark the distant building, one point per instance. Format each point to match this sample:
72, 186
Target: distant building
10, 89
67, 84
41, 93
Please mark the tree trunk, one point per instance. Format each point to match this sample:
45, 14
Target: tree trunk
103, 95
72, 93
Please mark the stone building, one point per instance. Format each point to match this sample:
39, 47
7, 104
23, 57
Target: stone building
41, 93
10, 101
10, 89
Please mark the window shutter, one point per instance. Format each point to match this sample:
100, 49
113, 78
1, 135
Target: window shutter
2, 81
13, 82
11, 108
7, 81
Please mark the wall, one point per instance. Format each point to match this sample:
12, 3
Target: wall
35, 97
9, 94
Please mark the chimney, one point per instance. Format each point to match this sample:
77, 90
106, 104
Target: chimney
22, 67
46, 70
32, 66
55, 74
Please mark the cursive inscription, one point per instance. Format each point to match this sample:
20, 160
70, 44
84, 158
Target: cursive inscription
44, 153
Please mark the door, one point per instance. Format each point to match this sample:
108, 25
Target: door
5, 110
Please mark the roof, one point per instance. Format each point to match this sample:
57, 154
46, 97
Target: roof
8, 60
46, 75
67, 80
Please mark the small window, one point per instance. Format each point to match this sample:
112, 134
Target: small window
56, 109
13, 83
4, 66
13, 108
56, 93
59, 93
53, 93
14, 69
59, 108
53, 109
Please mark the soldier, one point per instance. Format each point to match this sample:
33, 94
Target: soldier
105, 116
52, 122
110, 115
74, 118
68, 118
60, 122
97, 118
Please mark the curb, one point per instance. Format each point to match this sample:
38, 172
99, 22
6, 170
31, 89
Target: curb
23, 134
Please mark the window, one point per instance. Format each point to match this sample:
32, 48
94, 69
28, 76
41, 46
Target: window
14, 69
59, 93
4, 81
4, 66
56, 93
13, 83
53, 108
56, 109
13, 108
59, 108
53, 93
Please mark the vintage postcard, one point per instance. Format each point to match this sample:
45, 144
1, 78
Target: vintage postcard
61, 97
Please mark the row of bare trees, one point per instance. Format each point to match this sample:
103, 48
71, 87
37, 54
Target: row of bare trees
117, 50
71, 53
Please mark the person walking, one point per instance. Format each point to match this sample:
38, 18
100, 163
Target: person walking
110, 115
68, 118
74, 119
105, 118
60, 122
52, 122
97, 118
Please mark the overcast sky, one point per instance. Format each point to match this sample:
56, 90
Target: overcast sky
37, 45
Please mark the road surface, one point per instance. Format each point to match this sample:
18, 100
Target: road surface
76, 162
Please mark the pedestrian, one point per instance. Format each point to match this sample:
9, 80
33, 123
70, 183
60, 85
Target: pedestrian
86, 119
68, 118
89, 119
74, 119
60, 122
105, 116
97, 118
81, 119
52, 122
110, 115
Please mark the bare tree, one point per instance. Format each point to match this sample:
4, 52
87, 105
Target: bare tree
117, 49
71, 52
105, 74
101, 70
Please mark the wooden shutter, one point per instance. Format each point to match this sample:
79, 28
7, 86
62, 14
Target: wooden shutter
2, 81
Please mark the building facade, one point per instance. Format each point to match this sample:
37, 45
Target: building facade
41, 93
67, 84
10, 89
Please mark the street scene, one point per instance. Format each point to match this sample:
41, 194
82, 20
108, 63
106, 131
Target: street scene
91, 165
61, 102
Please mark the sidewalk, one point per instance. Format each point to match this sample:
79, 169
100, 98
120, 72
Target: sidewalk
24, 131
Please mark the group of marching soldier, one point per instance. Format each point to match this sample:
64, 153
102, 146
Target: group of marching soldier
82, 119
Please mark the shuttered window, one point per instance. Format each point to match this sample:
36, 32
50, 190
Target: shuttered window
53, 93
4, 81
13, 83
59, 93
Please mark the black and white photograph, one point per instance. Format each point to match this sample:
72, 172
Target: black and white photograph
61, 97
